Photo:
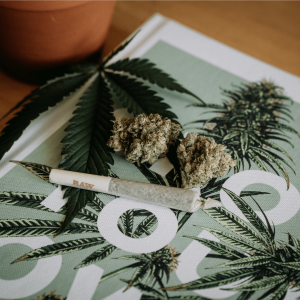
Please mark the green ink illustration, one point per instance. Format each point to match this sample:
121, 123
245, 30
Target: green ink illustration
248, 121
143, 221
253, 255
50, 296
150, 293
155, 266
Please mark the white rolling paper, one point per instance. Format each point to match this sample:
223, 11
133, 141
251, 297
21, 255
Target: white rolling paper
182, 199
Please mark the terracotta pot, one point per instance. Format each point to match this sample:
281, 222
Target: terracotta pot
36, 36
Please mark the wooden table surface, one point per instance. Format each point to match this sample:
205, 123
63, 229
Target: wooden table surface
269, 31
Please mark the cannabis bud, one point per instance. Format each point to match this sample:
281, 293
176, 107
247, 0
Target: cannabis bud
143, 139
202, 159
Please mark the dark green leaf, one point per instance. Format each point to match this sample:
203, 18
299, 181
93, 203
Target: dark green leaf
284, 127
61, 248
119, 271
231, 135
235, 241
267, 293
183, 220
220, 248
87, 215
138, 98
214, 280
42, 171
276, 147
251, 215
127, 221
77, 199
294, 241
276, 156
138, 275
244, 142
252, 193
261, 283
173, 178
28, 200
145, 225
85, 148
147, 70
186, 298
269, 157
145, 288
272, 232
97, 256
251, 261
235, 224
172, 156
245, 295
151, 176
118, 49
96, 204
257, 160
33, 227
210, 105
36, 103
295, 265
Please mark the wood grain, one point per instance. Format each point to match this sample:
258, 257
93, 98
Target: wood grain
269, 31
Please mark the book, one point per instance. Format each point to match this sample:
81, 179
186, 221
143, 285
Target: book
116, 241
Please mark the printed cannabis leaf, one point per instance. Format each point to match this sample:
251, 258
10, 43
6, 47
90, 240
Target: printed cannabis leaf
35, 227
61, 248
32, 227
262, 263
247, 123
42, 171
